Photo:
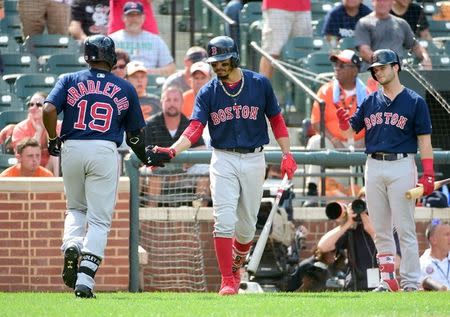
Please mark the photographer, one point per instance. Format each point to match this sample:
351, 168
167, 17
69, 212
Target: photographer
355, 234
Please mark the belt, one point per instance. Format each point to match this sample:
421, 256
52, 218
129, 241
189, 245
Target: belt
244, 150
388, 156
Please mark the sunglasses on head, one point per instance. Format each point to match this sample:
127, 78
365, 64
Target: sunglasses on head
37, 104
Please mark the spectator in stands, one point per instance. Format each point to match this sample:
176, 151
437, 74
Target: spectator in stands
200, 75
435, 261
6, 137
164, 129
371, 34
115, 16
282, 19
122, 60
415, 16
28, 154
345, 90
143, 46
137, 76
2, 9
340, 21
182, 78
89, 18
36, 16
33, 127
443, 13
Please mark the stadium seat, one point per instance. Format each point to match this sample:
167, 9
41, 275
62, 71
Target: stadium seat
299, 47
440, 62
19, 63
347, 43
154, 84
28, 84
250, 13
318, 62
10, 7
8, 44
13, 116
4, 87
7, 160
12, 26
9, 101
431, 48
320, 9
439, 28
64, 63
255, 31
429, 8
50, 44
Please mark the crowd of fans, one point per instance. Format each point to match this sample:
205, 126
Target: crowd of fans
141, 52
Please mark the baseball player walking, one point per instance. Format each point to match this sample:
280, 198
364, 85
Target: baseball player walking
396, 121
98, 107
235, 106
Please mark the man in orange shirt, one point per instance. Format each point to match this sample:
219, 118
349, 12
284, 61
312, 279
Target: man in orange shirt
28, 154
345, 90
200, 75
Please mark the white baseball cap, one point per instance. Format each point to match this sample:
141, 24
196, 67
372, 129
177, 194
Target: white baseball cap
203, 67
134, 67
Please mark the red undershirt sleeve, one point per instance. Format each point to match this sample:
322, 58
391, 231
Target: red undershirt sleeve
194, 131
278, 126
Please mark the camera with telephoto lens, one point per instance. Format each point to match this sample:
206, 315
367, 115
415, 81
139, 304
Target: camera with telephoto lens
335, 210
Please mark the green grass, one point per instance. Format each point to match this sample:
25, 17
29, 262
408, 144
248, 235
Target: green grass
210, 304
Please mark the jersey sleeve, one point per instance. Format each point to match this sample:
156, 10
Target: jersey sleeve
58, 95
422, 121
201, 108
272, 106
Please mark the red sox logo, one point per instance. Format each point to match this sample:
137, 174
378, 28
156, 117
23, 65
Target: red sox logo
213, 50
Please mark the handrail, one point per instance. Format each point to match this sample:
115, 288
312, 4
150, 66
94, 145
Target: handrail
219, 12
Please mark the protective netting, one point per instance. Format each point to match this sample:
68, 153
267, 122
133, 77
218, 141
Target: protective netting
175, 258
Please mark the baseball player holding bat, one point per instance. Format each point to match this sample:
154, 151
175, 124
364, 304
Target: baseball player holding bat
235, 106
397, 122
98, 107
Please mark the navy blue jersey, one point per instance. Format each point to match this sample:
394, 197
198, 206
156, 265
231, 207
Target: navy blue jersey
392, 126
238, 122
338, 23
97, 105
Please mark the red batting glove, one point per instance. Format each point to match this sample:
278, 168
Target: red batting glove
344, 118
427, 179
288, 165
166, 150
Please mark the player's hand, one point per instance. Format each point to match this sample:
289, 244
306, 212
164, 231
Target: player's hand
288, 165
427, 179
343, 118
54, 146
157, 156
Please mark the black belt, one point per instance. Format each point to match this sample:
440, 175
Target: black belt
388, 156
244, 150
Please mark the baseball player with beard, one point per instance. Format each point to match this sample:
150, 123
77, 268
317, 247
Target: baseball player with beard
235, 106
98, 107
396, 121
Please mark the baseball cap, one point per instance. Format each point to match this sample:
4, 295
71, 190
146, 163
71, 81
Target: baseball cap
347, 56
132, 6
133, 67
197, 55
202, 67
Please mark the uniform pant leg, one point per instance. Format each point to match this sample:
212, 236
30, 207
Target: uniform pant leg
405, 178
225, 191
74, 179
101, 194
378, 204
251, 178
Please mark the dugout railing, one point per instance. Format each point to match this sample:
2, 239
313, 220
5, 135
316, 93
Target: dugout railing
325, 158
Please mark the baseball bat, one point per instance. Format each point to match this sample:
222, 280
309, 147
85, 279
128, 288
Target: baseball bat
262, 240
417, 192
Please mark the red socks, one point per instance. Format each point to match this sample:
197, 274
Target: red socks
223, 247
386, 264
239, 254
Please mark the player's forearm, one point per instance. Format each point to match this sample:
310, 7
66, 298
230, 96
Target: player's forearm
285, 144
182, 144
425, 147
50, 117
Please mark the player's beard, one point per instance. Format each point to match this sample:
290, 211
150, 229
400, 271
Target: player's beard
224, 73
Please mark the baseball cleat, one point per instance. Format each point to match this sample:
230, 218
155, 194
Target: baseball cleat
70, 270
228, 287
82, 291
387, 286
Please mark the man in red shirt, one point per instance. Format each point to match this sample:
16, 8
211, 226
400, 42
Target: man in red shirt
28, 154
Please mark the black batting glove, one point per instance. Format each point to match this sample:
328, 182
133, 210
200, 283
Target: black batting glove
157, 156
54, 146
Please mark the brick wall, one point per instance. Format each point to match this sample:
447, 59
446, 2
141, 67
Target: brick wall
32, 222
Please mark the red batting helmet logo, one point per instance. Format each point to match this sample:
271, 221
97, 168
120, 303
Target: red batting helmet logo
213, 50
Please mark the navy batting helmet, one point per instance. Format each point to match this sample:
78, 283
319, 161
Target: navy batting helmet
100, 48
221, 48
384, 57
